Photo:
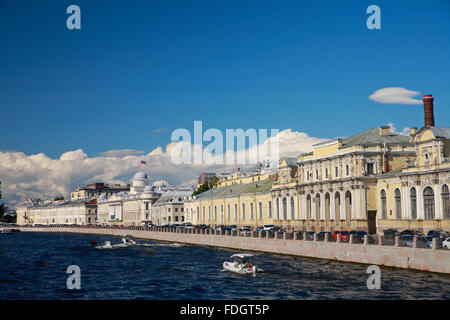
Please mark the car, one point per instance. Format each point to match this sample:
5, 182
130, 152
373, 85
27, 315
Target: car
406, 240
410, 232
268, 227
430, 240
358, 236
245, 231
446, 243
321, 236
438, 234
259, 229
344, 235
390, 233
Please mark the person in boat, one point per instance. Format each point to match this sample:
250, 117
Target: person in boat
247, 264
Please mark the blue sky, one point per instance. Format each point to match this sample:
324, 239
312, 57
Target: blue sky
136, 67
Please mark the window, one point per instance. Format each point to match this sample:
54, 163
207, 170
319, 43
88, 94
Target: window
413, 201
251, 211
182, 218
428, 201
215, 213
169, 218
445, 201
317, 174
209, 213
398, 204
260, 210
176, 209
336, 172
307, 175
228, 212
370, 168
278, 209
243, 211
203, 213
270, 208
146, 206
284, 209
347, 170
326, 173
383, 204
176, 218
235, 211
292, 209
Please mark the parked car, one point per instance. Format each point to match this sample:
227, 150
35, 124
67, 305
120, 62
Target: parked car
321, 236
259, 229
430, 240
438, 234
245, 231
410, 232
408, 241
268, 227
344, 235
390, 234
358, 236
446, 243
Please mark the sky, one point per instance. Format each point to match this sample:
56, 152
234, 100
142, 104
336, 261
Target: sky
138, 70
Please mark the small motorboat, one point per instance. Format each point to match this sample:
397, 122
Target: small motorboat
241, 264
107, 245
127, 239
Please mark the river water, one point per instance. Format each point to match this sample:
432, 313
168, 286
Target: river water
34, 266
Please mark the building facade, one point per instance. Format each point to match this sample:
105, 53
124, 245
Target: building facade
80, 212
238, 199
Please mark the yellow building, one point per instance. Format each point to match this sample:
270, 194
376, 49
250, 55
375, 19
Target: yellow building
416, 196
238, 199
334, 186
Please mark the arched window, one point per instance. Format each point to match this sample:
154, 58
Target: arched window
278, 208
318, 207
284, 209
337, 203
383, 204
308, 207
428, 203
348, 206
398, 204
327, 206
292, 208
413, 199
445, 201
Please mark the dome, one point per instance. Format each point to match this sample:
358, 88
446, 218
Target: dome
148, 189
140, 176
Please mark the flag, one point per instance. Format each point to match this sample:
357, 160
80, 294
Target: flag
143, 162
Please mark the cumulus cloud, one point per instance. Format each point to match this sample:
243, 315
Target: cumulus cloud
406, 130
395, 95
39, 176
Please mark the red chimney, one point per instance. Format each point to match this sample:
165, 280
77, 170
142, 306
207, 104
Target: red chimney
428, 109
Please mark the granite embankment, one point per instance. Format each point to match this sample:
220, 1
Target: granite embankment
433, 260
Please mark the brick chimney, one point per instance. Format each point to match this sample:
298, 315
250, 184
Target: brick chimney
385, 130
428, 110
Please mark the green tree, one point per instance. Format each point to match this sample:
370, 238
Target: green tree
204, 187
58, 198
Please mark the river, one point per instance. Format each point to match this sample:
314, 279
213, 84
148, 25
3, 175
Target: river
34, 266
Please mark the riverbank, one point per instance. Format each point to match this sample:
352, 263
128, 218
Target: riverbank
432, 260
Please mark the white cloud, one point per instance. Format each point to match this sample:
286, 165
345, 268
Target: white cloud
406, 131
39, 176
121, 153
395, 95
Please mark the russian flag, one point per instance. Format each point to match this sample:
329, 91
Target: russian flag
143, 162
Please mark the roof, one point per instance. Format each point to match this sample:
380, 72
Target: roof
237, 189
443, 132
241, 255
372, 137
290, 161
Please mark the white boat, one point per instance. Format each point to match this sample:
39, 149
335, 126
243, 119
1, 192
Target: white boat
127, 239
241, 264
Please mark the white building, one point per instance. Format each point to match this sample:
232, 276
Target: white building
81, 212
169, 208
129, 208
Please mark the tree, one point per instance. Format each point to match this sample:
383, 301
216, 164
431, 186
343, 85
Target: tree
59, 198
204, 187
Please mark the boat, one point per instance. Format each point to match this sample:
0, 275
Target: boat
127, 239
9, 230
241, 264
